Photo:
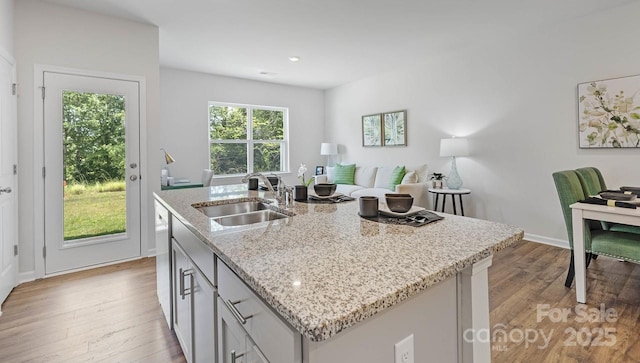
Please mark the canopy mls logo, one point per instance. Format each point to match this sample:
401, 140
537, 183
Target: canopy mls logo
501, 337
584, 336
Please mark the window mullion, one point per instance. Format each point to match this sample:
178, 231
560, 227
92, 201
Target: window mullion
250, 140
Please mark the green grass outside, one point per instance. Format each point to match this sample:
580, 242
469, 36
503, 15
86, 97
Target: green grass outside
94, 210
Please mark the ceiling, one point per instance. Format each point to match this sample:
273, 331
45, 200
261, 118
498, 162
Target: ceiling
338, 41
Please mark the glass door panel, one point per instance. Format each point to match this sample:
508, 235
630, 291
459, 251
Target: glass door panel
93, 165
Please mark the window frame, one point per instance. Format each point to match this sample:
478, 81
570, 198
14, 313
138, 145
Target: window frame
250, 142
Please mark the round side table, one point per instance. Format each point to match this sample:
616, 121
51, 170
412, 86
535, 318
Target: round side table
452, 192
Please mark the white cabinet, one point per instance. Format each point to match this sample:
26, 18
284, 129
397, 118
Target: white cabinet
194, 298
278, 341
203, 319
235, 345
231, 337
163, 266
235, 327
182, 278
254, 355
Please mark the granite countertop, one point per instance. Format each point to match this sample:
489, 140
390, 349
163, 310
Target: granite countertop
325, 268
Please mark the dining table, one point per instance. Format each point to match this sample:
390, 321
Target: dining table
580, 212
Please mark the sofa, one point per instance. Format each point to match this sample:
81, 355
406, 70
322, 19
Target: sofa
376, 181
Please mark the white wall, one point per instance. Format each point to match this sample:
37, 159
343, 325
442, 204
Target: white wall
6, 26
517, 103
49, 34
183, 130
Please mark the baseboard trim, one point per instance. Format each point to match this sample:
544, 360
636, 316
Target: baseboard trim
547, 240
27, 276
91, 267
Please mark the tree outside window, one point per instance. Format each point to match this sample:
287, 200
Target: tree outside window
245, 139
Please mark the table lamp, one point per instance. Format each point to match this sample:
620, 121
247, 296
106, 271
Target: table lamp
328, 149
168, 159
454, 147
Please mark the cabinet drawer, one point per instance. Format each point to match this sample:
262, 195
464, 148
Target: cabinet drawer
279, 342
201, 255
234, 341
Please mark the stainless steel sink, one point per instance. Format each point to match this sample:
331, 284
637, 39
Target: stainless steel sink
249, 218
220, 210
241, 213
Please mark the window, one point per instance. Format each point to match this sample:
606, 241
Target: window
246, 139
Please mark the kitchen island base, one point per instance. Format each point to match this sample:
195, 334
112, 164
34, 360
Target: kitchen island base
349, 294
439, 319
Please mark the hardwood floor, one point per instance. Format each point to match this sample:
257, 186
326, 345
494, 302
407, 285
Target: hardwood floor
111, 314
527, 280
108, 314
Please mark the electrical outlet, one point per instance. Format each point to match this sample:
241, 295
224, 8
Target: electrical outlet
404, 350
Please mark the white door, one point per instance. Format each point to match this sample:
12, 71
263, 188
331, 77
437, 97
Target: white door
8, 185
91, 175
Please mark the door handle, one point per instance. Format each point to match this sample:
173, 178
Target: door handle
185, 291
235, 356
133, 177
5, 190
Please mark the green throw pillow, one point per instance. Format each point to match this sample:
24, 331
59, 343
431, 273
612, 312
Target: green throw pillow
396, 176
344, 174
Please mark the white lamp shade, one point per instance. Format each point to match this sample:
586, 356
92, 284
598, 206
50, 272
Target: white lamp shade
454, 147
327, 148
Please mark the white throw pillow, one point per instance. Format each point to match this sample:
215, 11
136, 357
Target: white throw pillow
422, 172
365, 176
383, 176
409, 178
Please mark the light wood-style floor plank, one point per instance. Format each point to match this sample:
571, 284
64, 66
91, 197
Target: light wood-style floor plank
528, 278
108, 314
111, 314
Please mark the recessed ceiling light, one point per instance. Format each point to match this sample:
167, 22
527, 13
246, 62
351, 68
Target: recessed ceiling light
294, 58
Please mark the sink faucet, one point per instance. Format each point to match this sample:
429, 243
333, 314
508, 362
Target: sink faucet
281, 195
285, 193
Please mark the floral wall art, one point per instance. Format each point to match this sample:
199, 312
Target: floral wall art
609, 113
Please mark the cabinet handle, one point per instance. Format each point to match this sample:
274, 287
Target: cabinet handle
235, 356
184, 291
232, 306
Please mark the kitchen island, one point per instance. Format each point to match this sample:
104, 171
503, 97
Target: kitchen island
349, 288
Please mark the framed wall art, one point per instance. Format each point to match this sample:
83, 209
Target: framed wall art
609, 113
372, 130
395, 128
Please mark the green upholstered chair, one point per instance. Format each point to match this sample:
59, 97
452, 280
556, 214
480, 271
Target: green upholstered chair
620, 245
591, 180
592, 184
